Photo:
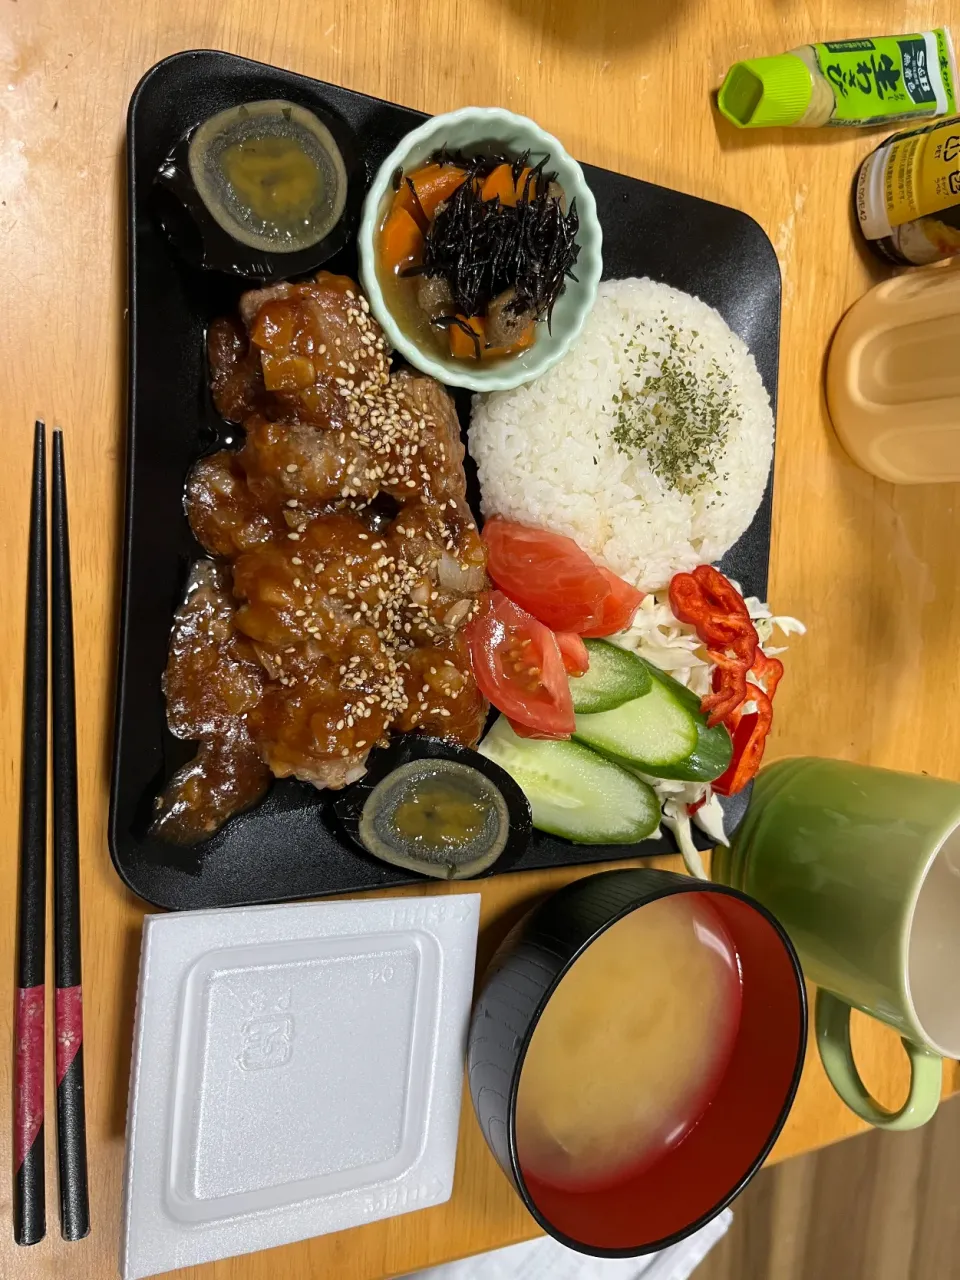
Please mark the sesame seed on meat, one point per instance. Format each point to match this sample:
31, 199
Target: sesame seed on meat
328, 606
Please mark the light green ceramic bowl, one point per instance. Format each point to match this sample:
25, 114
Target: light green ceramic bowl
465, 130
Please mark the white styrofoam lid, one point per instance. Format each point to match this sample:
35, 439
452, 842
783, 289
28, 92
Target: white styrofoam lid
296, 1070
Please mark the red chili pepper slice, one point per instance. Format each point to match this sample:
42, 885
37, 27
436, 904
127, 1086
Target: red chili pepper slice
746, 645
729, 688
749, 741
711, 603
708, 600
687, 599
732, 718
769, 670
728, 685
720, 591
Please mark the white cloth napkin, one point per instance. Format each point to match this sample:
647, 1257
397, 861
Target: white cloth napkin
546, 1259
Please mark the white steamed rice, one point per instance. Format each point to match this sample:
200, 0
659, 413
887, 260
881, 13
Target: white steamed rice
546, 456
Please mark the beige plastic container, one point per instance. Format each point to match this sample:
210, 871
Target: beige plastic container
893, 378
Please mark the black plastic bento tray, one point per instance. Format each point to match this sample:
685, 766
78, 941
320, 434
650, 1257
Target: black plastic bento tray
288, 846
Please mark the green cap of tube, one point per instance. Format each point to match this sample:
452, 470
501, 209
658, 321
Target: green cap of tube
766, 92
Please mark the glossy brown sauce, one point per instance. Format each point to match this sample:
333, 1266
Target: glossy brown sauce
338, 624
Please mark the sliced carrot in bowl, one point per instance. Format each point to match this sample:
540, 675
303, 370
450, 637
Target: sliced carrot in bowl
522, 343
462, 345
401, 240
432, 184
499, 182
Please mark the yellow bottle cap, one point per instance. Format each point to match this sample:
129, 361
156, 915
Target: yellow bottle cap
765, 92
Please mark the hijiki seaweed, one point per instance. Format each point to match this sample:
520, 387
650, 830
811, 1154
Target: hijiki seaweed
484, 247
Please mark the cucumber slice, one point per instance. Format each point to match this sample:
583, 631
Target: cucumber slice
664, 733
573, 792
615, 676
714, 748
647, 733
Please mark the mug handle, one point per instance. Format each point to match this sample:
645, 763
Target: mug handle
836, 1054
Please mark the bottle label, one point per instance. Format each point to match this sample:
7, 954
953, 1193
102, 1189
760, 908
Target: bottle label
889, 78
910, 177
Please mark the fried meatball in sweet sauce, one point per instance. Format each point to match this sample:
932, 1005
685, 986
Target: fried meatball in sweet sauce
326, 621
213, 681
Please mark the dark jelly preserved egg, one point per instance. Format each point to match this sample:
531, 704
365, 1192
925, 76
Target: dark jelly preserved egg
271, 175
436, 808
265, 189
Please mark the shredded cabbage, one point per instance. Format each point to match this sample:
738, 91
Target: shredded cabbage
659, 637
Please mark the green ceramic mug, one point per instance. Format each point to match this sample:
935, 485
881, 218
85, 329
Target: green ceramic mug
862, 868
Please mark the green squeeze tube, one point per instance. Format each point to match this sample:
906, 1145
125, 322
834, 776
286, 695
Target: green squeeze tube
880, 80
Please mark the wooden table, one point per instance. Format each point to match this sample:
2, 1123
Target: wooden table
625, 84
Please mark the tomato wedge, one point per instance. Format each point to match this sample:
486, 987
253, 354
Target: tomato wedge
546, 574
524, 731
573, 651
618, 608
519, 668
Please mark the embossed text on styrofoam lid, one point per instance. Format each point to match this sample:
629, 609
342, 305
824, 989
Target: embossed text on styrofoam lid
296, 1070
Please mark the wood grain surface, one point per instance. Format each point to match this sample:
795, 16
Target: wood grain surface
881, 1207
625, 84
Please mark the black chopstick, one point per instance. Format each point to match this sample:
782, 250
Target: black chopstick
71, 1119
29, 1209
